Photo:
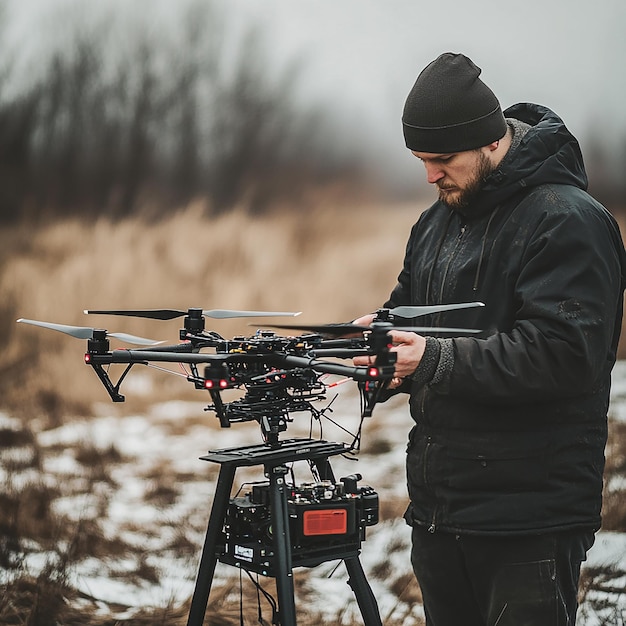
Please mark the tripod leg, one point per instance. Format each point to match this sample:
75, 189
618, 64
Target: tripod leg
363, 592
208, 560
282, 545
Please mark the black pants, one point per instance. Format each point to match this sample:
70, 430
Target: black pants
469, 580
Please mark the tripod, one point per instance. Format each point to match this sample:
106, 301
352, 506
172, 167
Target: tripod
274, 459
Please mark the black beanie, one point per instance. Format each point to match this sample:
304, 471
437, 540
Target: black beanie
450, 109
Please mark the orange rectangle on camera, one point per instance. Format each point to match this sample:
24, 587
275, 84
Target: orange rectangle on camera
325, 522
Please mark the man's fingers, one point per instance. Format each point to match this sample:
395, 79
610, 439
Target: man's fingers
401, 336
364, 360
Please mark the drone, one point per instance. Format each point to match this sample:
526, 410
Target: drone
278, 374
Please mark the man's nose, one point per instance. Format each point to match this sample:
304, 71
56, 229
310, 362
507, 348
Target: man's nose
433, 172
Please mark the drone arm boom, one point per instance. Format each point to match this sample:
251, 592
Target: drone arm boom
147, 356
345, 353
354, 372
180, 348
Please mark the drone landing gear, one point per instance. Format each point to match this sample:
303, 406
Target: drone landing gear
282, 558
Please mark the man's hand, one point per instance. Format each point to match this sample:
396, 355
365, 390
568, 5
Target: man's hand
366, 320
409, 348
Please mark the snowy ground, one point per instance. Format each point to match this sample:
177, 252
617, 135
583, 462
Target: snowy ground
166, 523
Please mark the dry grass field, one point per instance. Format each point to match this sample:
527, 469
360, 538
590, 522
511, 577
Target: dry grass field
333, 263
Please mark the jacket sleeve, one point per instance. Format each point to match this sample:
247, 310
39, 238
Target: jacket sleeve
569, 293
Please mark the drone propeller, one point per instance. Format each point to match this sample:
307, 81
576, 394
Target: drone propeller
399, 311
170, 314
344, 329
83, 332
418, 311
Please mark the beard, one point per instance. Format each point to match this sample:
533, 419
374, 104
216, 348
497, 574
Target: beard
460, 197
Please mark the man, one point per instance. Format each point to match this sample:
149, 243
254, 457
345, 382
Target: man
505, 461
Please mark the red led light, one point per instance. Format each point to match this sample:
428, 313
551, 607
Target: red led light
211, 384
373, 372
87, 357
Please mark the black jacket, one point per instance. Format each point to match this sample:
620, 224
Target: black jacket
511, 438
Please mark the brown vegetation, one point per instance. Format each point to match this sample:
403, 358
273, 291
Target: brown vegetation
614, 498
332, 264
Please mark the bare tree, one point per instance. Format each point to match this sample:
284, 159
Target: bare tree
172, 120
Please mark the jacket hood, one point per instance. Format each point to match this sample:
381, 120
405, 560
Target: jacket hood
547, 154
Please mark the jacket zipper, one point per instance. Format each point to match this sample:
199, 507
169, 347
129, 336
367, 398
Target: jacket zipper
451, 258
432, 527
426, 450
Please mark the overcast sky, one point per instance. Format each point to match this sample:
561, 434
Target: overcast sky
569, 55
362, 56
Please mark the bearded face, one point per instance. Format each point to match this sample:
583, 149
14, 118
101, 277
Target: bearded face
459, 176
458, 192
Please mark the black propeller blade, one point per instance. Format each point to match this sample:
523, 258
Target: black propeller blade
83, 332
418, 311
399, 311
170, 314
345, 329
